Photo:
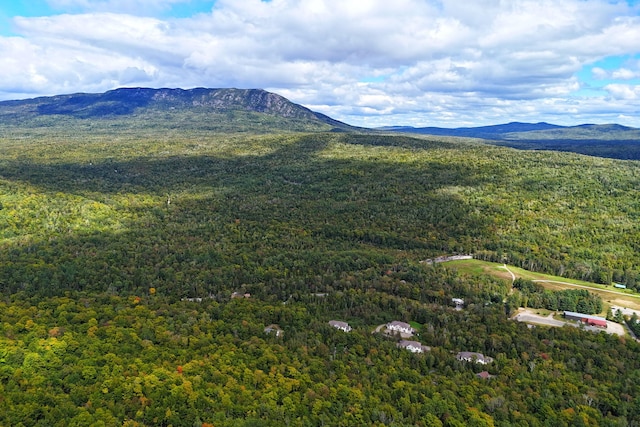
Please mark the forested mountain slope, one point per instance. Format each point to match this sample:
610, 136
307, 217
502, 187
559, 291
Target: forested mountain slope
99, 211
107, 225
210, 109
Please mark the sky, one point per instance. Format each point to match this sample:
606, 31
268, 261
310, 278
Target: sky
446, 63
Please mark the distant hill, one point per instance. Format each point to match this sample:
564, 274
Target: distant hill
128, 105
476, 132
609, 140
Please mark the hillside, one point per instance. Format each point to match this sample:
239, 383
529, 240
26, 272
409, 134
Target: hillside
207, 109
611, 140
143, 257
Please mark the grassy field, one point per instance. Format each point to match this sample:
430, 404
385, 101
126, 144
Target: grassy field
610, 296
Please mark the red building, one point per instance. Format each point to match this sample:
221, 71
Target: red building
588, 319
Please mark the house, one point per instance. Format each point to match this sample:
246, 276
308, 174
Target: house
274, 329
619, 286
403, 328
588, 319
468, 356
239, 295
484, 375
413, 346
343, 326
459, 302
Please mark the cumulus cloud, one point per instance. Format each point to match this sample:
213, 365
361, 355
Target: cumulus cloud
624, 74
362, 62
622, 91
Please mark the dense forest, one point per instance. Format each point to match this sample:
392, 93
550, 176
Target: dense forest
534, 295
122, 244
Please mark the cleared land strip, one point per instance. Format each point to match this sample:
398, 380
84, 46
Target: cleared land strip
611, 297
588, 287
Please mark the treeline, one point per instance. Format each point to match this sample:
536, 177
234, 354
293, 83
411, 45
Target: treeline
633, 324
534, 295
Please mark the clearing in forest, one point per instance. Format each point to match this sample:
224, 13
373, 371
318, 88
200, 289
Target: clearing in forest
623, 298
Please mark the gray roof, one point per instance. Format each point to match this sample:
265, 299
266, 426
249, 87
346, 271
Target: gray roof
338, 324
407, 343
471, 355
584, 316
399, 324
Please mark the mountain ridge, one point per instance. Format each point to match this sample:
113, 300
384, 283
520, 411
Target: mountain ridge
127, 102
511, 130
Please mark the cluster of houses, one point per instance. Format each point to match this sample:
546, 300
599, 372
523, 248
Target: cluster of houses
405, 330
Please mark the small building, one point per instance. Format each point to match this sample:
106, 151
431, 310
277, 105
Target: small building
619, 286
413, 346
468, 356
587, 319
239, 295
459, 303
274, 329
402, 327
343, 326
484, 375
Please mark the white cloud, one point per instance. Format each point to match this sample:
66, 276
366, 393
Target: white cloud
625, 74
599, 73
438, 60
622, 91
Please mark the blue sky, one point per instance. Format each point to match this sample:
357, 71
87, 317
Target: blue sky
369, 63
35, 8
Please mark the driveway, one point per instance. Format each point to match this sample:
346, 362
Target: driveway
527, 315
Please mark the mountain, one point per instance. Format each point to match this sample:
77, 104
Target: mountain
132, 104
608, 140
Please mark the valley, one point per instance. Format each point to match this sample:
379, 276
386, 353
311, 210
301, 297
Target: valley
126, 240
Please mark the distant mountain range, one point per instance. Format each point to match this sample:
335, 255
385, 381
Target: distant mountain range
256, 110
528, 131
609, 140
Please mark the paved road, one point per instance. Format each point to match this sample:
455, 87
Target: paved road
528, 316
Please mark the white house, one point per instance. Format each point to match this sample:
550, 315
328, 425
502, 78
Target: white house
459, 303
468, 356
403, 328
343, 326
413, 346
274, 329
